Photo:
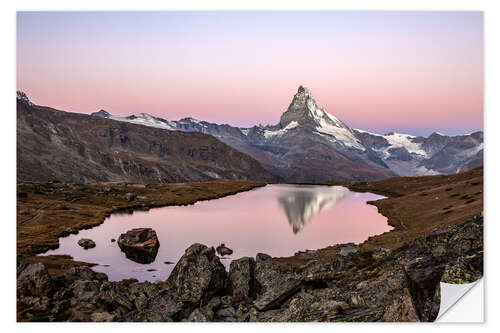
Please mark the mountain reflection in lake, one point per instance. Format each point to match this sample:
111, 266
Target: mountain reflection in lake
301, 204
277, 219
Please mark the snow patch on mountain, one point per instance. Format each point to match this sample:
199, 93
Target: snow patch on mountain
268, 134
147, 120
340, 133
397, 140
423, 171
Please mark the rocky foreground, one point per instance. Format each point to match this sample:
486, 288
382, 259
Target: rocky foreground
349, 285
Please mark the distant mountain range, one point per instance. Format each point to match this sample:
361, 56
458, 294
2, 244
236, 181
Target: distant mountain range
68, 147
309, 144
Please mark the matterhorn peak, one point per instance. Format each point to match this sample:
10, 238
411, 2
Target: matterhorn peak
304, 113
303, 90
303, 109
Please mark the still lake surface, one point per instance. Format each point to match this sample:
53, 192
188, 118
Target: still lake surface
278, 220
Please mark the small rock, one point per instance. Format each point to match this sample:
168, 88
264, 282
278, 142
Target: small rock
262, 257
113, 240
348, 249
380, 252
129, 196
241, 311
438, 251
85, 290
136, 185
361, 285
86, 243
102, 317
223, 250
226, 312
226, 300
197, 316
83, 273
142, 198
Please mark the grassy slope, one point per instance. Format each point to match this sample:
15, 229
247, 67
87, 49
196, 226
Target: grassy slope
417, 205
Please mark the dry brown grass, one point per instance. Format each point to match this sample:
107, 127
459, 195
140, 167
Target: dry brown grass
417, 205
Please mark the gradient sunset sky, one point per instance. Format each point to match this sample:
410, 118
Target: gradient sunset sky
410, 72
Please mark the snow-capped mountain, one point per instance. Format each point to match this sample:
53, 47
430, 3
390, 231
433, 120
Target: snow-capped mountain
307, 144
303, 111
310, 144
409, 155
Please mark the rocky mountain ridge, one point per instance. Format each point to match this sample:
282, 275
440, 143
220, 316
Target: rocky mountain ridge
310, 144
61, 146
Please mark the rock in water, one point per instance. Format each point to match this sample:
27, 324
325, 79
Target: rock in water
140, 245
198, 275
86, 243
223, 250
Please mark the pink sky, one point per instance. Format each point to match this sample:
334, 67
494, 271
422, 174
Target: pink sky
414, 72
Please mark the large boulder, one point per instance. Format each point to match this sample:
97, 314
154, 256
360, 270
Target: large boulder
276, 284
198, 275
33, 279
140, 245
241, 277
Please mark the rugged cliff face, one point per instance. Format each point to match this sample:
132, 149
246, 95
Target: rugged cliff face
60, 146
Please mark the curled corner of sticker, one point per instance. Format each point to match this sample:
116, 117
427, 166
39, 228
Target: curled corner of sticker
451, 297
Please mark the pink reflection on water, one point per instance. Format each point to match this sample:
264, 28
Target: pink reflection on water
278, 220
